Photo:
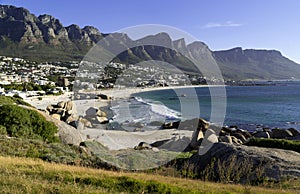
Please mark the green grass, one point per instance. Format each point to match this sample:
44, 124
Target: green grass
275, 143
24, 175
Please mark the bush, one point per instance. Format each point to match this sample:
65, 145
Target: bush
234, 169
20, 122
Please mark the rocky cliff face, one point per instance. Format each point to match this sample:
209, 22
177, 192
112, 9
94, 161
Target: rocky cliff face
18, 24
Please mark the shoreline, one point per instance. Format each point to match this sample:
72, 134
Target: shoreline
115, 93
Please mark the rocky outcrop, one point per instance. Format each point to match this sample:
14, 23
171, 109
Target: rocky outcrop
63, 111
67, 133
203, 135
250, 163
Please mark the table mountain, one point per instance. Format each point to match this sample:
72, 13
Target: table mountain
241, 64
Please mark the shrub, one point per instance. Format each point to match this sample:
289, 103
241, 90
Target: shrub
233, 170
20, 122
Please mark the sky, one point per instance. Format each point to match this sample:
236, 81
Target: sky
221, 24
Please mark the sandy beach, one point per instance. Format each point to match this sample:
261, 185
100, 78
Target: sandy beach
48, 100
114, 92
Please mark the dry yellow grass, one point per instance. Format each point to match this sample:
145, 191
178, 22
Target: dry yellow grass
24, 175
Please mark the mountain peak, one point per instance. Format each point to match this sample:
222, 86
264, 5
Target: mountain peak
18, 13
48, 19
198, 46
158, 39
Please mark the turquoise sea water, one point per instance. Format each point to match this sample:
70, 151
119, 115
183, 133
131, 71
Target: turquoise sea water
249, 107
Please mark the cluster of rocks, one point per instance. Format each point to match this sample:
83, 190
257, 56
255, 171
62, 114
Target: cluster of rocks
204, 133
235, 135
277, 133
63, 111
177, 143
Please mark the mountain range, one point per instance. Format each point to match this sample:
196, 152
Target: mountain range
44, 38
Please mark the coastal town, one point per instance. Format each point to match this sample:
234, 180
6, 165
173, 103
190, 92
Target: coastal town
25, 78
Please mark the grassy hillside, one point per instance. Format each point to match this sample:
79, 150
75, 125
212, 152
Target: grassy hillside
23, 175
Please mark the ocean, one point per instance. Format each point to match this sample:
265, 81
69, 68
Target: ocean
249, 107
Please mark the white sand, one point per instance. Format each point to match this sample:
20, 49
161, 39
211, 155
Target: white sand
47, 100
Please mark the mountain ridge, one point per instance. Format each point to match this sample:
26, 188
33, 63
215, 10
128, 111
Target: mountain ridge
273, 63
44, 38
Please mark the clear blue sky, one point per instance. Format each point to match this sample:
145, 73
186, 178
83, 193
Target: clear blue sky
221, 24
